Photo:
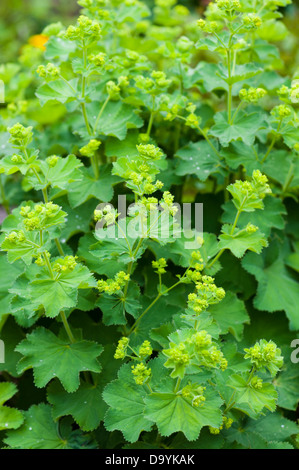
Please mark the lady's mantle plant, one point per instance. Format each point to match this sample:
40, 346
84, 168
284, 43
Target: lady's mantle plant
118, 334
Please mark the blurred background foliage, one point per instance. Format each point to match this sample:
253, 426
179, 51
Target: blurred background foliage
21, 19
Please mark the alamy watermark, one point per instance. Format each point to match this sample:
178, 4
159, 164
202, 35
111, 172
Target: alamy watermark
295, 353
2, 92
2, 352
151, 220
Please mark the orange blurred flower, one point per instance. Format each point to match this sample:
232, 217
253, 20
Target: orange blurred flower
38, 41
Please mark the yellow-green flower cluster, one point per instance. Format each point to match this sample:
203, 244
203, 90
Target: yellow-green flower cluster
173, 112
85, 29
197, 261
16, 236
197, 350
251, 21
17, 158
207, 294
206, 352
113, 90
228, 5
20, 107
281, 112
90, 149
209, 26
112, 286
167, 203
50, 71
145, 350
256, 383
149, 152
160, 266
108, 215
98, 59
265, 354
195, 393
249, 195
154, 84
141, 373
252, 95
193, 121
52, 160
250, 228
226, 423
121, 350
66, 264
290, 94
40, 216
20, 136
178, 359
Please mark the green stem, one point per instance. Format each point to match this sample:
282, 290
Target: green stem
236, 112
59, 247
160, 294
251, 375
231, 403
289, 178
48, 265
100, 115
272, 143
229, 96
231, 233
56, 240
177, 386
142, 315
150, 123
5, 202
208, 141
67, 327
45, 195
83, 106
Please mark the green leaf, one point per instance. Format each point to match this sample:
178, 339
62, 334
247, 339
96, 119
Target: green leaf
273, 427
125, 148
88, 187
86, 405
58, 90
59, 176
234, 278
96, 263
10, 418
24, 250
173, 413
50, 357
241, 241
230, 314
126, 402
9, 167
277, 290
38, 432
256, 399
56, 294
244, 128
58, 48
11, 334
114, 308
12, 272
270, 217
116, 119
197, 158
238, 153
241, 73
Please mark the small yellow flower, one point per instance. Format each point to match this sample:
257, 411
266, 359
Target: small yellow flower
38, 41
